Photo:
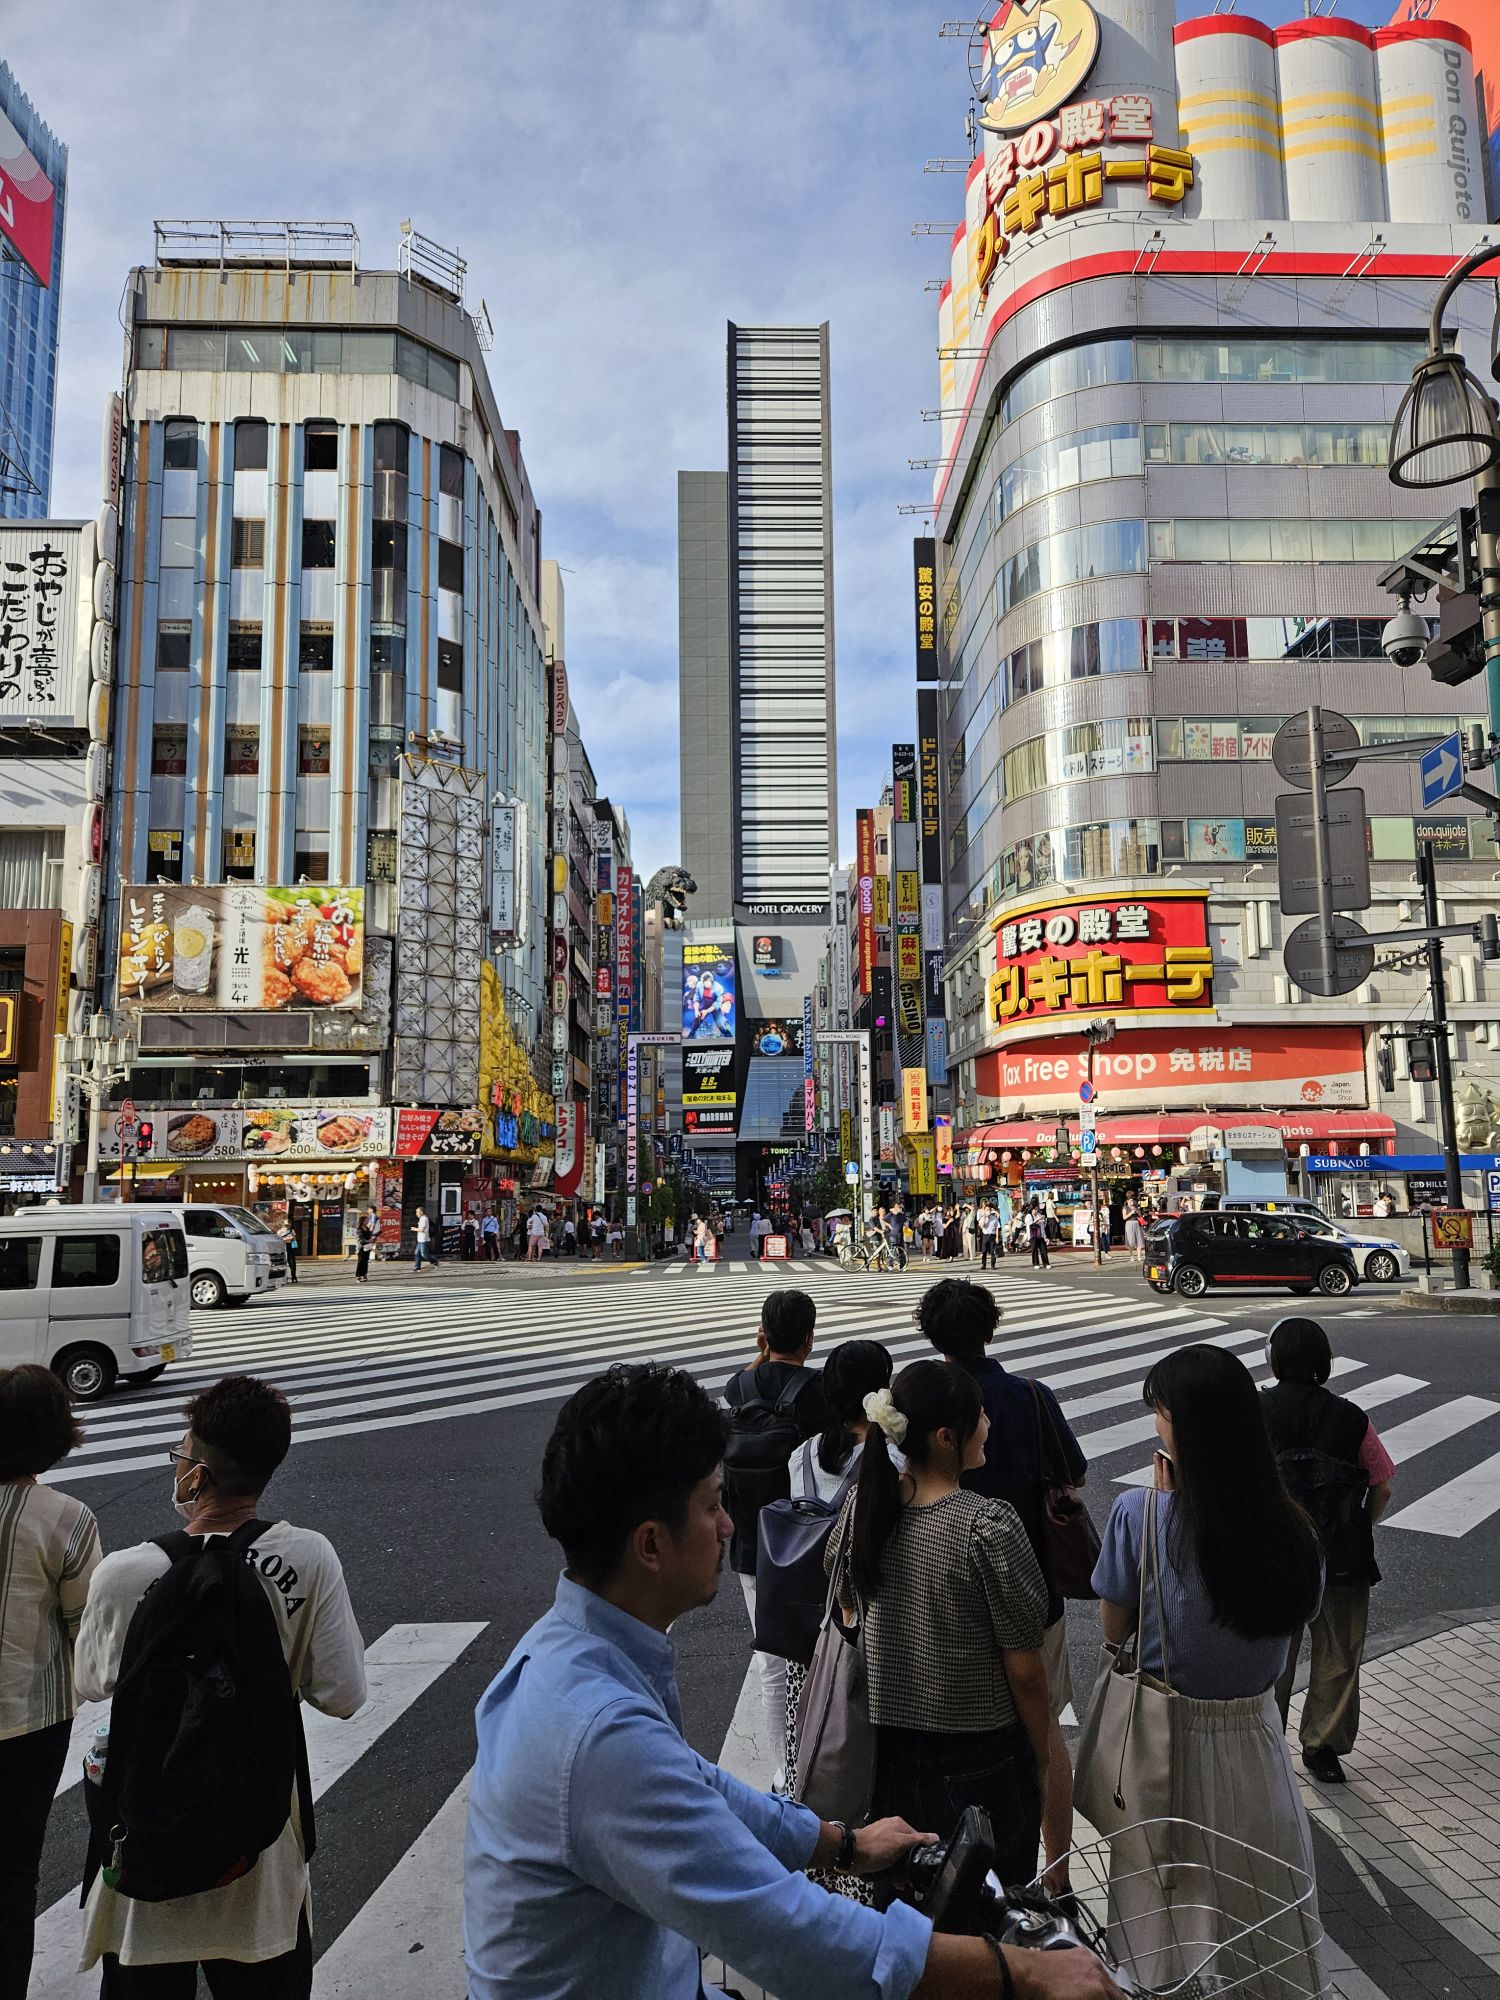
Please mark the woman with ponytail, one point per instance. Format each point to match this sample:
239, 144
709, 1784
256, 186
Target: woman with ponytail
954, 1608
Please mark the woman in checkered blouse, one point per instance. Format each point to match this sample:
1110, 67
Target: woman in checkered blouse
955, 1607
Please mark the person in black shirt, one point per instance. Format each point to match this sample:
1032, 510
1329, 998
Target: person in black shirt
1309, 1426
788, 1406
1030, 1448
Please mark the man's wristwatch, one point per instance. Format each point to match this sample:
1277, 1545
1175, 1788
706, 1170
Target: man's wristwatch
848, 1837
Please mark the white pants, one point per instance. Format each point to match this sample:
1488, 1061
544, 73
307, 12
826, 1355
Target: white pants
772, 1671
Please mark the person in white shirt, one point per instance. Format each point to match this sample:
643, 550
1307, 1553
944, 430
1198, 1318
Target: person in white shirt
49, 1546
424, 1240
536, 1236
252, 1937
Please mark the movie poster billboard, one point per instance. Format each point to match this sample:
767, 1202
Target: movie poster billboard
708, 1092
709, 1000
240, 947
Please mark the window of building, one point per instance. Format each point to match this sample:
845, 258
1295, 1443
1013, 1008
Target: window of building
1107, 548
239, 855
450, 471
179, 449
169, 753
1268, 444
1211, 539
174, 648
31, 863
312, 751
164, 854
1111, 451
320, 447
318, 538
243, 649
250, 439
247, 545
150, 346
450, 666
388, 540
314, 651
450, 566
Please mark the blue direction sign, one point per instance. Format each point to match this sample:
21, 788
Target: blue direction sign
1442, 770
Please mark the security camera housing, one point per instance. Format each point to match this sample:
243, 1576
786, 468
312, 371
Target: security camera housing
1404, 640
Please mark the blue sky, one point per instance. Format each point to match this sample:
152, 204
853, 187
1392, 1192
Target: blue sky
623, 177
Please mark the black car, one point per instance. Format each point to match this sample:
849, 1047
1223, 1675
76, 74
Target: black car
1188, 1253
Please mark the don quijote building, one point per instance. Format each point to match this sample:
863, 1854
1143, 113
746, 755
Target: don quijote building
1193, 275
321, 882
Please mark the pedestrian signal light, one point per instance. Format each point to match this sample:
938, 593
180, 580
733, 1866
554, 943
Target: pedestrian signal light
1421, 1058
1385, 1066
143, 1134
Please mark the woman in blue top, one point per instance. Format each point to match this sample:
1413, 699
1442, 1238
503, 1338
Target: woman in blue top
1240, 1572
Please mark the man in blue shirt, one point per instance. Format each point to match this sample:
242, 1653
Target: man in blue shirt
1030, 1448
603, 1853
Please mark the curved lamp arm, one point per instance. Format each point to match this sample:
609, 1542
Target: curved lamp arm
1473, 263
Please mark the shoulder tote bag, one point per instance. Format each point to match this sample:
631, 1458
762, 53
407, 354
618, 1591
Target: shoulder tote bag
1070, 1541
835, 1736
1125, 1769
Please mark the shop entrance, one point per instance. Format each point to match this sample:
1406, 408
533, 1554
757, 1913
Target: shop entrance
318, 1226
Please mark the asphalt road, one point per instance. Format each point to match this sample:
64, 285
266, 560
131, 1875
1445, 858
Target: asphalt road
422, 1405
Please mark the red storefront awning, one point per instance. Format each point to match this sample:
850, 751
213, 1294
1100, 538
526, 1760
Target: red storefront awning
1330, 1131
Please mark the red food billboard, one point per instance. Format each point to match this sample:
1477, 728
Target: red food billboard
26, 204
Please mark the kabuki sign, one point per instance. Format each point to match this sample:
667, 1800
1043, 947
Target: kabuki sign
1102, 955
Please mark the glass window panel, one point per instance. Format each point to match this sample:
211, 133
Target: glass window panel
1249, 541
367, 353
1392, 839
150, 346
174, 594
1160, 540
250, 439
196, 348
1173, 846
173, 650
1157, 449
179, 446
320, 447
1333, 541
253, 350
1202, 540
1197, 740
1169, 738
1225, 742
442, 375
179, 542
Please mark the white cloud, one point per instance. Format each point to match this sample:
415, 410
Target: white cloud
623, 180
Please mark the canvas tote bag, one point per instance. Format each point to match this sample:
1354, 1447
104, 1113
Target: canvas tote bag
1125, 1769
835, 1736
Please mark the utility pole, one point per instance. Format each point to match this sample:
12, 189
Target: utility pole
1442, 1054
95, 1060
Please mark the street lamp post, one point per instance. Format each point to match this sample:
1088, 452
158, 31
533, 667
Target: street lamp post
95, 1060
1445, 432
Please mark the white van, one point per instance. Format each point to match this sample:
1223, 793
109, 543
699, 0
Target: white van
93, 1292
232, 1255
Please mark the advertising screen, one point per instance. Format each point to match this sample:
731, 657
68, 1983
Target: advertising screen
708, 1093
240, 946
708, 988
776, 1037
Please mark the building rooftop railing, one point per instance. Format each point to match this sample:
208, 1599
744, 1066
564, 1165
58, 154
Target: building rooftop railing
210, 243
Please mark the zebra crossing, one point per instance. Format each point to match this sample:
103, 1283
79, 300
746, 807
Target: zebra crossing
419, 1351
356, 1363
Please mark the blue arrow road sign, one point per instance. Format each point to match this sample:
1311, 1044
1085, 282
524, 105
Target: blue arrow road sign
1442, 770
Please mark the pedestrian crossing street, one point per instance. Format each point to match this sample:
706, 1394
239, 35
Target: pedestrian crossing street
417, 1351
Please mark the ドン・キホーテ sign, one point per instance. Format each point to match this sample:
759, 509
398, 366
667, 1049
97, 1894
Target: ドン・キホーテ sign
1109, 955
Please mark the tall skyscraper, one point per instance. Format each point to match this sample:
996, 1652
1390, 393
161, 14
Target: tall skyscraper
759, 806
33, 187
755, 567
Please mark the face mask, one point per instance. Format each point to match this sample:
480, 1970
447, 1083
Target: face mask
182, 1508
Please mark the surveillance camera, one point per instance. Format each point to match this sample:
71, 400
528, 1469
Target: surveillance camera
1404, 640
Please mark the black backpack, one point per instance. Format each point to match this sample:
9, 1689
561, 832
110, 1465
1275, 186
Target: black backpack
205, 1730
762, 1437
1334, 1494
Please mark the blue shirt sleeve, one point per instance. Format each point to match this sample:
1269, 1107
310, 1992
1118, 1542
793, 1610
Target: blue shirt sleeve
1117, 1573
654, 1826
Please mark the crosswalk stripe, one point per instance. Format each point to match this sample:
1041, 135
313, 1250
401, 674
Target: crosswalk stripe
414, 1920
1369, 1397
1136, 1430
1436, 1426
400, 1666
1457, 1506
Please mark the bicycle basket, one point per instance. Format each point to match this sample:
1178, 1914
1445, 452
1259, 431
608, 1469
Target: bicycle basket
1185, 1913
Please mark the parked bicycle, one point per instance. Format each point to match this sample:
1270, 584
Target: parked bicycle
869, 1252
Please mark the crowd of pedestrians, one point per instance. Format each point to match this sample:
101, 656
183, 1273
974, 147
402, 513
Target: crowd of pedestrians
925, 1509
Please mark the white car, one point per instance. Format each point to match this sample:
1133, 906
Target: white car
1380, 1258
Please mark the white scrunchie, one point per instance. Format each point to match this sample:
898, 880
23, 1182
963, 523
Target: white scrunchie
881, 1409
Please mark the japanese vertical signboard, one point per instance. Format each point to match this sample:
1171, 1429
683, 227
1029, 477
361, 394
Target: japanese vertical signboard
503, 872
624, 989
46, 617
930, 849
809, 1085
924, 577
864, 839
906, 925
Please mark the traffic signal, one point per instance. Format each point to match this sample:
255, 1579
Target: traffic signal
1489, 936
1421, 1058
143, 1131
1385, 1066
